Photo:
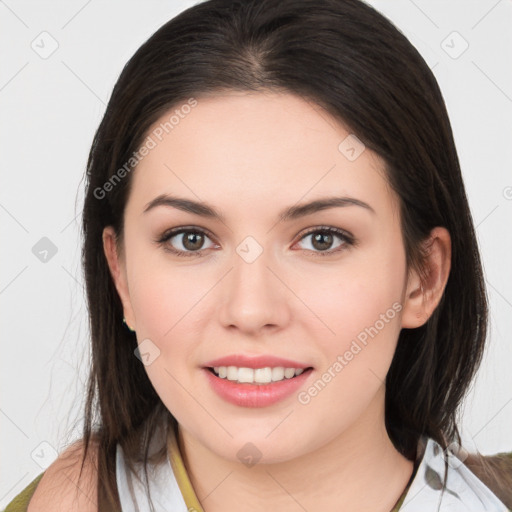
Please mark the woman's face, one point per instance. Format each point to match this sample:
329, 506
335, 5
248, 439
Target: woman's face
252, 281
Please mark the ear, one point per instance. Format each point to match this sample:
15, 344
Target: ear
117, 266
423, 295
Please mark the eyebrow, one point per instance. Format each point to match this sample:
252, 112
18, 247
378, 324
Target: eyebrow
290, 213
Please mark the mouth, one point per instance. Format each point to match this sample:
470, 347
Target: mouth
257, 376
249, 380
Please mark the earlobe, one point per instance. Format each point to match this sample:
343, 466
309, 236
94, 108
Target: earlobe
118, 272
423, 293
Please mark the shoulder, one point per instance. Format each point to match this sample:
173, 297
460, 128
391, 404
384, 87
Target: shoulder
65, 485
495, 471
458, 479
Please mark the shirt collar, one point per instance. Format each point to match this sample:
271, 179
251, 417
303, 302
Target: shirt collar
463, 491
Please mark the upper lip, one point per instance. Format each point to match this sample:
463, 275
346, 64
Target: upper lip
261, 361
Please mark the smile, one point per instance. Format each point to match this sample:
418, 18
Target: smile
242, 389
256, 375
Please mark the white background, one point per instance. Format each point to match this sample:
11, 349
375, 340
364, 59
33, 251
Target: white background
50, 109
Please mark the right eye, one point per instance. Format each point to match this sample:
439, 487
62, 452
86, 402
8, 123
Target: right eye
189, 241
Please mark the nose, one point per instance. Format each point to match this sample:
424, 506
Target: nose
253, 297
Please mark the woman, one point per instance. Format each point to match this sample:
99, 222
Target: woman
286, 296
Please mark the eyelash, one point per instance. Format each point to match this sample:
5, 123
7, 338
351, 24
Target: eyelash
347, 239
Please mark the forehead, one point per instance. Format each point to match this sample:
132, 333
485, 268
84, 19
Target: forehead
243, 147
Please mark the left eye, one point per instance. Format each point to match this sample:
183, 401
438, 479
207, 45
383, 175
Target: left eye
190, 241
322, 240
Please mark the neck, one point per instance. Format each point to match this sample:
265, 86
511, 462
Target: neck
360, 468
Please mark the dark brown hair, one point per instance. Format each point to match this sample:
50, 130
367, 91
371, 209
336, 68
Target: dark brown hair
349, 59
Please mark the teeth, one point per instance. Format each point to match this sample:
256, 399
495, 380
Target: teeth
232, 373
277, 373
263, 375
257, 375
245, 374
289, 373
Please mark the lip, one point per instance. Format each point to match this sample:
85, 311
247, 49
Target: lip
255, 395
261, 361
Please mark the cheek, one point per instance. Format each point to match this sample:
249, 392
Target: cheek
163, 293
168, 307
359, 304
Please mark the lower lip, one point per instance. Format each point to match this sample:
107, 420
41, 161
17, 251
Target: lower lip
255, 395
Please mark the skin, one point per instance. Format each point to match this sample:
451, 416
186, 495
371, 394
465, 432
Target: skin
232, 151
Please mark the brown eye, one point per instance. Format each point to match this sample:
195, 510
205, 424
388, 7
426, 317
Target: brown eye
324, 240
184, 242
192, 241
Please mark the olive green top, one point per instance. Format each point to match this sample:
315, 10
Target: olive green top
21, 501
